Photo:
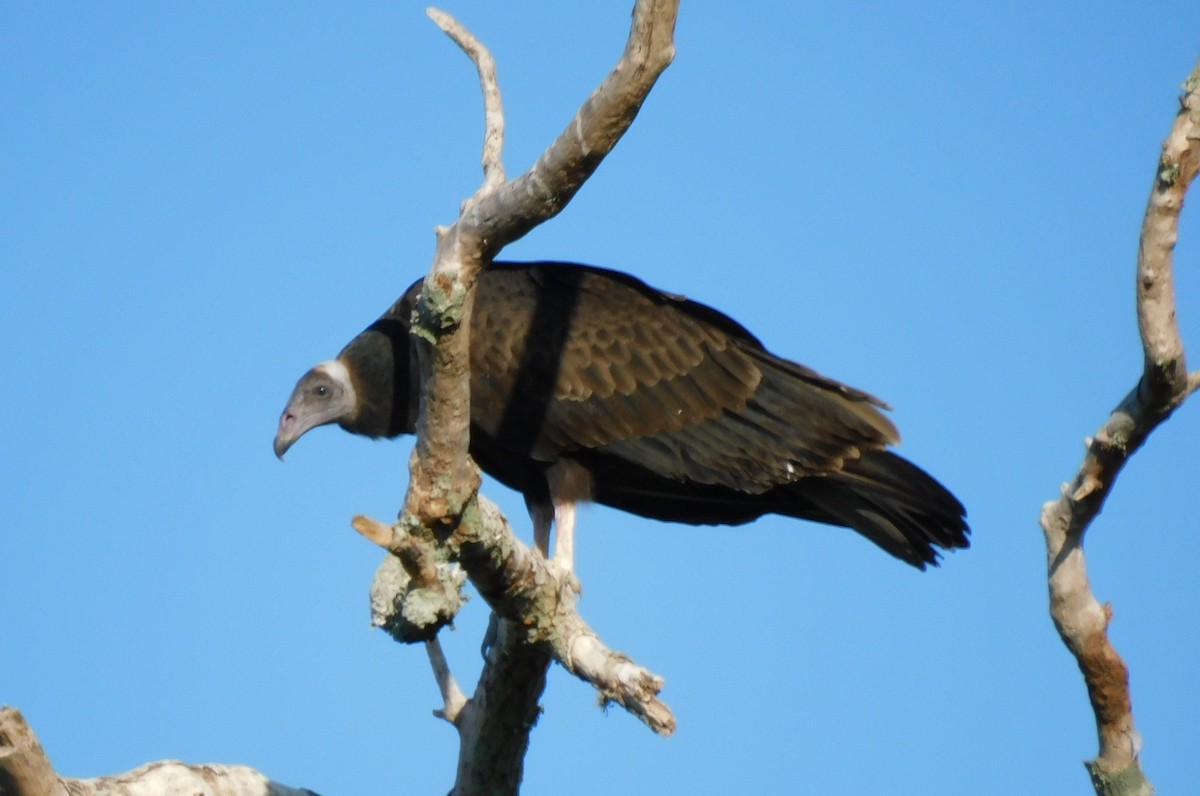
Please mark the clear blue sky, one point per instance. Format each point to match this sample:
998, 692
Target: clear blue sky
934, 203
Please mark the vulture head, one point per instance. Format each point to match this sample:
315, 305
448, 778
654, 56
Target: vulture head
324, 395
370, 389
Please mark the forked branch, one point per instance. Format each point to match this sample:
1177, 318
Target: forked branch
530, 592
442, 505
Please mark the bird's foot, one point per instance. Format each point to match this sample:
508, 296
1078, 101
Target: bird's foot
568, 580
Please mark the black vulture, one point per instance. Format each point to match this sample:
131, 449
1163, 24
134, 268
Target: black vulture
588, 384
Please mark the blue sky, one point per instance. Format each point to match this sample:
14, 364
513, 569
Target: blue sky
939, 204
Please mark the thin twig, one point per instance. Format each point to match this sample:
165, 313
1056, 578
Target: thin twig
493, 138
453, 699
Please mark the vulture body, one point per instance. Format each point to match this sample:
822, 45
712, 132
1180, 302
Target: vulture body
587, 384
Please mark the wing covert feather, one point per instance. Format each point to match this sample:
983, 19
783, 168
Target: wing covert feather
567, 358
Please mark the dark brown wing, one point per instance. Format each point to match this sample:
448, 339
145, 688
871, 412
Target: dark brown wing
567, 358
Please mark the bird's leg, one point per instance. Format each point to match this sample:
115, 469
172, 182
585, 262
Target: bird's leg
559, 514
564, 542
564, 538
569, 482
543, 518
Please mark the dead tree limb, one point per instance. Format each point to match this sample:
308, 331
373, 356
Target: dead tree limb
530, 593
442, 510
25, 770
1164, 385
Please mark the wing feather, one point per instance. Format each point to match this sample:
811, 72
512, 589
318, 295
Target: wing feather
567, 359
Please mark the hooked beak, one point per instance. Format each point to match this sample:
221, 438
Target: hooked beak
286, 435
318, 398
297, 420
323, 395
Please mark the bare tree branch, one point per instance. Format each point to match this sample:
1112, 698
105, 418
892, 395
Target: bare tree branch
1165, 377
496, 215
493, 138
530, 592
25, 770
504, 711
539, 623
442, 508
453, 699
1165, 383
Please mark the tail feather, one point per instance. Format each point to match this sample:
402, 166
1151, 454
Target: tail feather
892, 502
887, 499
